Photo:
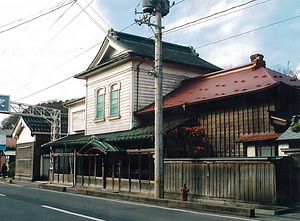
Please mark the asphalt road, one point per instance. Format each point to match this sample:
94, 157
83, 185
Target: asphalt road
25, 202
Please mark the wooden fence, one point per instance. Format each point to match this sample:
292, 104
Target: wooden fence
259, 180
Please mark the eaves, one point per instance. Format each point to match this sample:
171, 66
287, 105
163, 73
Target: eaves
89, 72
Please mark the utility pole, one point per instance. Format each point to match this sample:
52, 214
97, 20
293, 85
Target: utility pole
160, 8
158, 123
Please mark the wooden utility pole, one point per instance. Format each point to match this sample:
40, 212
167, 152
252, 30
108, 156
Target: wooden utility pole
159, 8
158, 123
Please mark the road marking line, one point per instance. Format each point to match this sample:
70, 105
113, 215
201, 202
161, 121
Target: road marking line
153, 206
2, 194
71, 213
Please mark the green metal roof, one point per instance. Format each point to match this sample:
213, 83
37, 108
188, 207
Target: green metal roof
144, 47
171, 52
103, 146
139, 133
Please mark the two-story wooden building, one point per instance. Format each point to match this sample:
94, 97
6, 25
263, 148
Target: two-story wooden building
243, 111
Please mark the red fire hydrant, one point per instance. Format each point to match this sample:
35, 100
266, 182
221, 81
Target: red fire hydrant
184, 191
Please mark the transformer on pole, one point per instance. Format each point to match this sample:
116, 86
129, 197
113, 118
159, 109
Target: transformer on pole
159, 8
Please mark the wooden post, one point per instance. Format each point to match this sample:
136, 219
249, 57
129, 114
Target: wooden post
95, 168
119, 171
63, 169
129, 171
140, 172
113, 172
74, 165
103, 174
58, 165
82, 170
149, 171
89, 169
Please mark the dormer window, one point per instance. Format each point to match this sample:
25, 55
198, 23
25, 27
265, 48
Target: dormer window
100, 93
114, 108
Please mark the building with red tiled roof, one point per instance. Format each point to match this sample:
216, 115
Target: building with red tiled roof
244, 109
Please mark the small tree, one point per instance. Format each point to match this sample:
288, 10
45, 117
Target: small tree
189, 141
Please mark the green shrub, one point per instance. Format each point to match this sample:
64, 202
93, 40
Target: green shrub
296, 127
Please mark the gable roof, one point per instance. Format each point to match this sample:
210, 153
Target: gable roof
118, 45
224, 84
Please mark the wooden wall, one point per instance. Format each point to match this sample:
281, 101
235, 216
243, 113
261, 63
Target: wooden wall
225, 124
24, 160
256, 180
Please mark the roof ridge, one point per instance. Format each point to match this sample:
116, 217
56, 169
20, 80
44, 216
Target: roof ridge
171, 46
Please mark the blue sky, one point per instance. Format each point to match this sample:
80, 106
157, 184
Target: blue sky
54, 47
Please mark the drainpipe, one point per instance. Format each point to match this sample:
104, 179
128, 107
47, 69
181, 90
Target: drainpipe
137, 83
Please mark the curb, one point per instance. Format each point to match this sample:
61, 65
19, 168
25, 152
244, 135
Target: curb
194, 206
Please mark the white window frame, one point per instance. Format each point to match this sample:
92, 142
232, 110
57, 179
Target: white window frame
115, 86
103, 92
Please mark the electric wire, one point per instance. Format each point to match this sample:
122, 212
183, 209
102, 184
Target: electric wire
188, 24
60, 4
149, 38
77, 55
63, 28
44, 89
247, 32
32, 19
91, 17
61, 15
99, 16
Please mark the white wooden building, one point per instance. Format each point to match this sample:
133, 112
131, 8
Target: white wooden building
118, 81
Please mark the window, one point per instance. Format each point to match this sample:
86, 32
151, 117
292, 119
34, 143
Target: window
114, 99
265, 150
100, 103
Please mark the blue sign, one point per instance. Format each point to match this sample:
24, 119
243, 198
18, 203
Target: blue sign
4, 103
2, 142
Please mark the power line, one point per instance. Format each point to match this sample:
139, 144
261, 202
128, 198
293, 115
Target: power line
54, 69
77, 55
61, 15
99, 16
45, 88
188, 24
247, 32
64, 27
91, 17
30, 20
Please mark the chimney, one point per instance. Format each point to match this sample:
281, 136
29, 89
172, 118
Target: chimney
258, 61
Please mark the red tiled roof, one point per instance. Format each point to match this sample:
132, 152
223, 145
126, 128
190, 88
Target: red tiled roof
258, 137
223, 84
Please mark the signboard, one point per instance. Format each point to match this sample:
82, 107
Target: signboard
2, 142
4, 104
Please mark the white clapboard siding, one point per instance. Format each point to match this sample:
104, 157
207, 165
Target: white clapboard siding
137, 91
173, 75
121, 74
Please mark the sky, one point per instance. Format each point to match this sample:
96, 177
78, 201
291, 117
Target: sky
42, 48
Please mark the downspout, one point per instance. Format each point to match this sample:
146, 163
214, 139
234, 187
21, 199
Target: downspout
137, 83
